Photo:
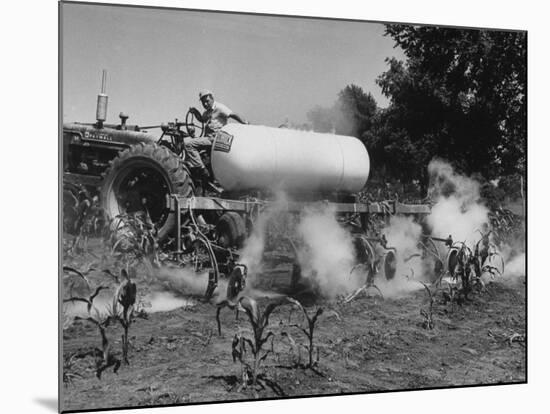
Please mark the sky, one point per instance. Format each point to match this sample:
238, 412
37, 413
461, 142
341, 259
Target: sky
265, 68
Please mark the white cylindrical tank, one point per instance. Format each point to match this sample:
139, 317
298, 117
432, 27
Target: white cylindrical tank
246, 157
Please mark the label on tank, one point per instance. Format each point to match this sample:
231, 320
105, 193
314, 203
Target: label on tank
223, 142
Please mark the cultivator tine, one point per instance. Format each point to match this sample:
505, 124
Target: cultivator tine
377, 289
352, 296
362, 289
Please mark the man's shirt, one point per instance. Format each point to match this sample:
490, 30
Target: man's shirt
216, 117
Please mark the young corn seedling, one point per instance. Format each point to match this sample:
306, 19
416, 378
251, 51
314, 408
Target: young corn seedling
125, 297
308, 332
88, 301
133, 240
68, 373
452, 296
507, 224
104, 357
238, 352
70, 272
87, 220
428, 315
370, 263
259, 321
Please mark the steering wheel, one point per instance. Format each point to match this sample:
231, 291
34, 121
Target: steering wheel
190, 122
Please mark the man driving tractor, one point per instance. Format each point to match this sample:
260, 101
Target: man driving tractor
214, 117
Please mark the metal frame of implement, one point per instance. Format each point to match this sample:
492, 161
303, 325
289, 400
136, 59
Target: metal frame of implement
179, 204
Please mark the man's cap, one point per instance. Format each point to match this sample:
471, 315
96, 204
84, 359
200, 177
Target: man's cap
204, 93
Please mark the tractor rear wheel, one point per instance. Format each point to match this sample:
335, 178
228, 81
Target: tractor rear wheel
139, 179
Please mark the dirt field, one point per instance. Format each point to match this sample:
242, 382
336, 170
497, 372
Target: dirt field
369, 344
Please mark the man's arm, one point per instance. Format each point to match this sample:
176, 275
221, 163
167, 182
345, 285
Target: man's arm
238, 118
197, 113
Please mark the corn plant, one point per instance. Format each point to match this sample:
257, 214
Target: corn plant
104, 357
370, 262
507, 224
70, 272
308, 331
68, 373
242, 344
469, 265
238, 353
133, 240
125, 297
89, 301
83, 217
428, 322
452, 296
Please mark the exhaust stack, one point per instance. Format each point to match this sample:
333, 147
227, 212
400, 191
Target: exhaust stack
102, 98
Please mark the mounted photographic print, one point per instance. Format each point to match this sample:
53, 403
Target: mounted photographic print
263, 206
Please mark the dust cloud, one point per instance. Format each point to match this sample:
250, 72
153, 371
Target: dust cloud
515, 267
327, 256
255, 245
457, 211
403, 234
185, 281
166, 301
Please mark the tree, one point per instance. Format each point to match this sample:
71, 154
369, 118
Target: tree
351, 114
355, 110
321, 118
461, 96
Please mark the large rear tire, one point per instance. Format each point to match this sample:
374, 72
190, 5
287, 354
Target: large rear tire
139, 179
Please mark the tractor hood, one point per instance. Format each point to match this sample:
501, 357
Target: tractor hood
110, 135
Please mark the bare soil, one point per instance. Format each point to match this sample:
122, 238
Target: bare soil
369, 344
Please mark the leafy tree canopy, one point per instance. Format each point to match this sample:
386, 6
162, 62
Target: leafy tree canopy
351, 114
461, 95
